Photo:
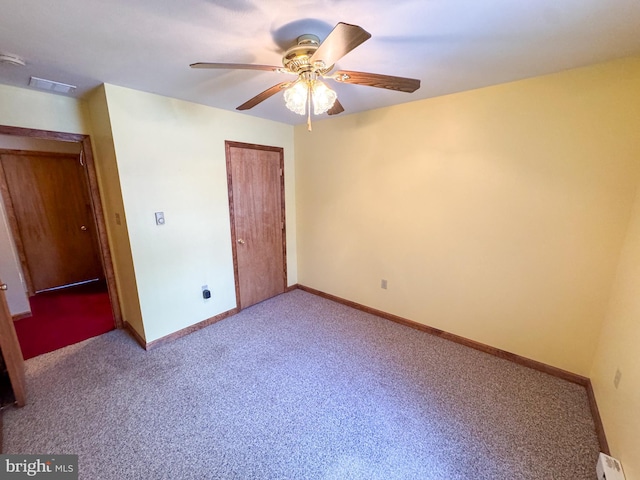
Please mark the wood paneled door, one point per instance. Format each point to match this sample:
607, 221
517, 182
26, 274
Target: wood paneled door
256, 200
48, 197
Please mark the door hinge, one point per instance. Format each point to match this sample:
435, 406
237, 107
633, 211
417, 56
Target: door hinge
82, 158
281, 172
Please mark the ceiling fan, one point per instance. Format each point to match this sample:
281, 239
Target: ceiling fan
311, 60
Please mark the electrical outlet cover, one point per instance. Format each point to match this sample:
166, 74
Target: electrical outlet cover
609, 468
616, 379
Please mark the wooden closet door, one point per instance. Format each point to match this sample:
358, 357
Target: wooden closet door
257, 210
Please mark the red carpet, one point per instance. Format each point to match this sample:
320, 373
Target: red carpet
64, 317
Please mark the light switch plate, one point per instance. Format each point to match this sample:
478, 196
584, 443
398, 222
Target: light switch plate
159, 218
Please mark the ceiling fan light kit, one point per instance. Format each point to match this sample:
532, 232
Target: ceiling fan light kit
309, 91
312, 61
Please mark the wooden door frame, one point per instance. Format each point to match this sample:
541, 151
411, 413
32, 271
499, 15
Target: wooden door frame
228, 144
96, 203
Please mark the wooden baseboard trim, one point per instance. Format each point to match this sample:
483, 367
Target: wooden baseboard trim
193, 328
543, 367
20, 316
186, 331
527, 362
597, 420
133, 332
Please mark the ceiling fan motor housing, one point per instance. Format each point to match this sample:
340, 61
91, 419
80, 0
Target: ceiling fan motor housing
297, 58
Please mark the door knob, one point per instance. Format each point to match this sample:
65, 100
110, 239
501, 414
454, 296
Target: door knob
83, 228
3, 286
241, 241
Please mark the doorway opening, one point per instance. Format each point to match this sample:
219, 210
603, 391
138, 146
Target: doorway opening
71, 290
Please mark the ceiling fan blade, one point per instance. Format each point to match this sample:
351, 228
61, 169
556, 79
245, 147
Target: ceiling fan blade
342, 39
237, 66
261, 97
336, 109
400, 84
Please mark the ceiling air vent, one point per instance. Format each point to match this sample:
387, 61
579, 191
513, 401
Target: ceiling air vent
50, 85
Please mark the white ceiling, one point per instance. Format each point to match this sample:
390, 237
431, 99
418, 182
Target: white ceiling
450, 45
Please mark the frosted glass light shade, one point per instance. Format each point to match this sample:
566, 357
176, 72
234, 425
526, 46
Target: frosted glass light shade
323, 97
295, 97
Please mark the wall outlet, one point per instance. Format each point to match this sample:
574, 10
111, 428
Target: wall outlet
383, 284
206, 293
616, 379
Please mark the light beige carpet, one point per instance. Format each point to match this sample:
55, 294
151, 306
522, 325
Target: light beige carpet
299, 387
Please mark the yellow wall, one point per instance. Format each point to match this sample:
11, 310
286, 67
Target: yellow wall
171, 158
20, 107
111, 196
496, 214
618, 350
